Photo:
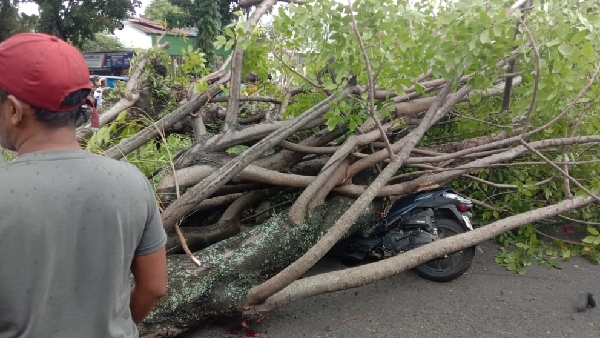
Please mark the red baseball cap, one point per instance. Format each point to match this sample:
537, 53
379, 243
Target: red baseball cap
42, 70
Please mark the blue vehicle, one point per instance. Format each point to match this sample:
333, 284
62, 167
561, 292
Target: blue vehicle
414, 220
111, 80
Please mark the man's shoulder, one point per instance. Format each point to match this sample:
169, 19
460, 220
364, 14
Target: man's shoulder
77, 160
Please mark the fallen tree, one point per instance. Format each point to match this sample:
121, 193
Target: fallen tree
274, 174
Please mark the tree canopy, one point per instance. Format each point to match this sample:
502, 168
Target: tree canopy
161, 10
101, 43
76, 21
209, 17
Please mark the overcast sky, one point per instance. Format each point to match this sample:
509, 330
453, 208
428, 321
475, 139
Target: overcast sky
32, 8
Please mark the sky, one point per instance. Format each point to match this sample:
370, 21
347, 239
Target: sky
32, 8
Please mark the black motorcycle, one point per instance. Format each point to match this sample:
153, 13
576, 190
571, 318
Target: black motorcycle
414, 220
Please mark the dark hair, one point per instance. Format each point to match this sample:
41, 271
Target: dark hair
3, 95
53, 119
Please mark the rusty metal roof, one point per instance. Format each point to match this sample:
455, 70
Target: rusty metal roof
153, 27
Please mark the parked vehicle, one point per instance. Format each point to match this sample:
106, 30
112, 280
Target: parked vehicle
414, 220
111, 80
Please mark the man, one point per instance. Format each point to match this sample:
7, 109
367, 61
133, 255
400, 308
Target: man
98, 92
72, 224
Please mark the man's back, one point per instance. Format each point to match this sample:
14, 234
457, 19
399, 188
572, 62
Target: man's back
70, 224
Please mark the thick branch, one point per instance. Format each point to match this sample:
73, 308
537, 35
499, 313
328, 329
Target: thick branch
450, 173
207, 187
381, 155
260, 293
510, 140
132, 143
325, 181
366, 274
233, 106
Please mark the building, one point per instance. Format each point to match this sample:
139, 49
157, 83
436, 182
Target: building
143, 34
109, 63
138, 33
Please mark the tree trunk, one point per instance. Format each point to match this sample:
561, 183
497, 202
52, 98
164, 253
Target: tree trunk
232, 266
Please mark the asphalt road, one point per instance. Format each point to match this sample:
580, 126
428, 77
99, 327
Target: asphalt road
488, 301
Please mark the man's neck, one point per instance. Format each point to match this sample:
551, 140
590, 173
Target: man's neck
49, 140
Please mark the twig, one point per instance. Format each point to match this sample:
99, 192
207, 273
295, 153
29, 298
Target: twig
285, 102
515, 6
477, 120
566, 185
483, 204
538, 72
556, 238
371, 91
578, 220
505, 186
574, 181
509, 140
177, 225
312, 83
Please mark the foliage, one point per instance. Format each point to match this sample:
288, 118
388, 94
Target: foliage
207, 16
77, 21
13, 22
466, 38
161, 10
7, 155
456, 39
101, 43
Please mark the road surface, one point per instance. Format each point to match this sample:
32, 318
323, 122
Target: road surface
488, 301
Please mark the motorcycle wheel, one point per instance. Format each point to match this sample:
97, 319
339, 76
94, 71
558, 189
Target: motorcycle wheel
449, 267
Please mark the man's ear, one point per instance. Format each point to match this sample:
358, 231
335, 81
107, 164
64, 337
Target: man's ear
16, 110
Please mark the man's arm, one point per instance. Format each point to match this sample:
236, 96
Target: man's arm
149, 264
150, 277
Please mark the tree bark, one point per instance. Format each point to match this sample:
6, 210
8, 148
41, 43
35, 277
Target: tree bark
232, 266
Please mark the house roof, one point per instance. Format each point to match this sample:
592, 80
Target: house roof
153, 27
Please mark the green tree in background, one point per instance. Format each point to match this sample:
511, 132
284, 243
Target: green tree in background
208, 16
9, 19
160, 10
11, 22
101, 43
77, 21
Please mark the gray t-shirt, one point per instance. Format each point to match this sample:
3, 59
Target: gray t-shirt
70, 224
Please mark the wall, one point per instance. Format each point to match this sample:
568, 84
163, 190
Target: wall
132, 37
177, 43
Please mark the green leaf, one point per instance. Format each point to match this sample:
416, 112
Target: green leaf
552, 42
593, 231
578, 37
589, 239
565, 50
485, 36
331, 124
